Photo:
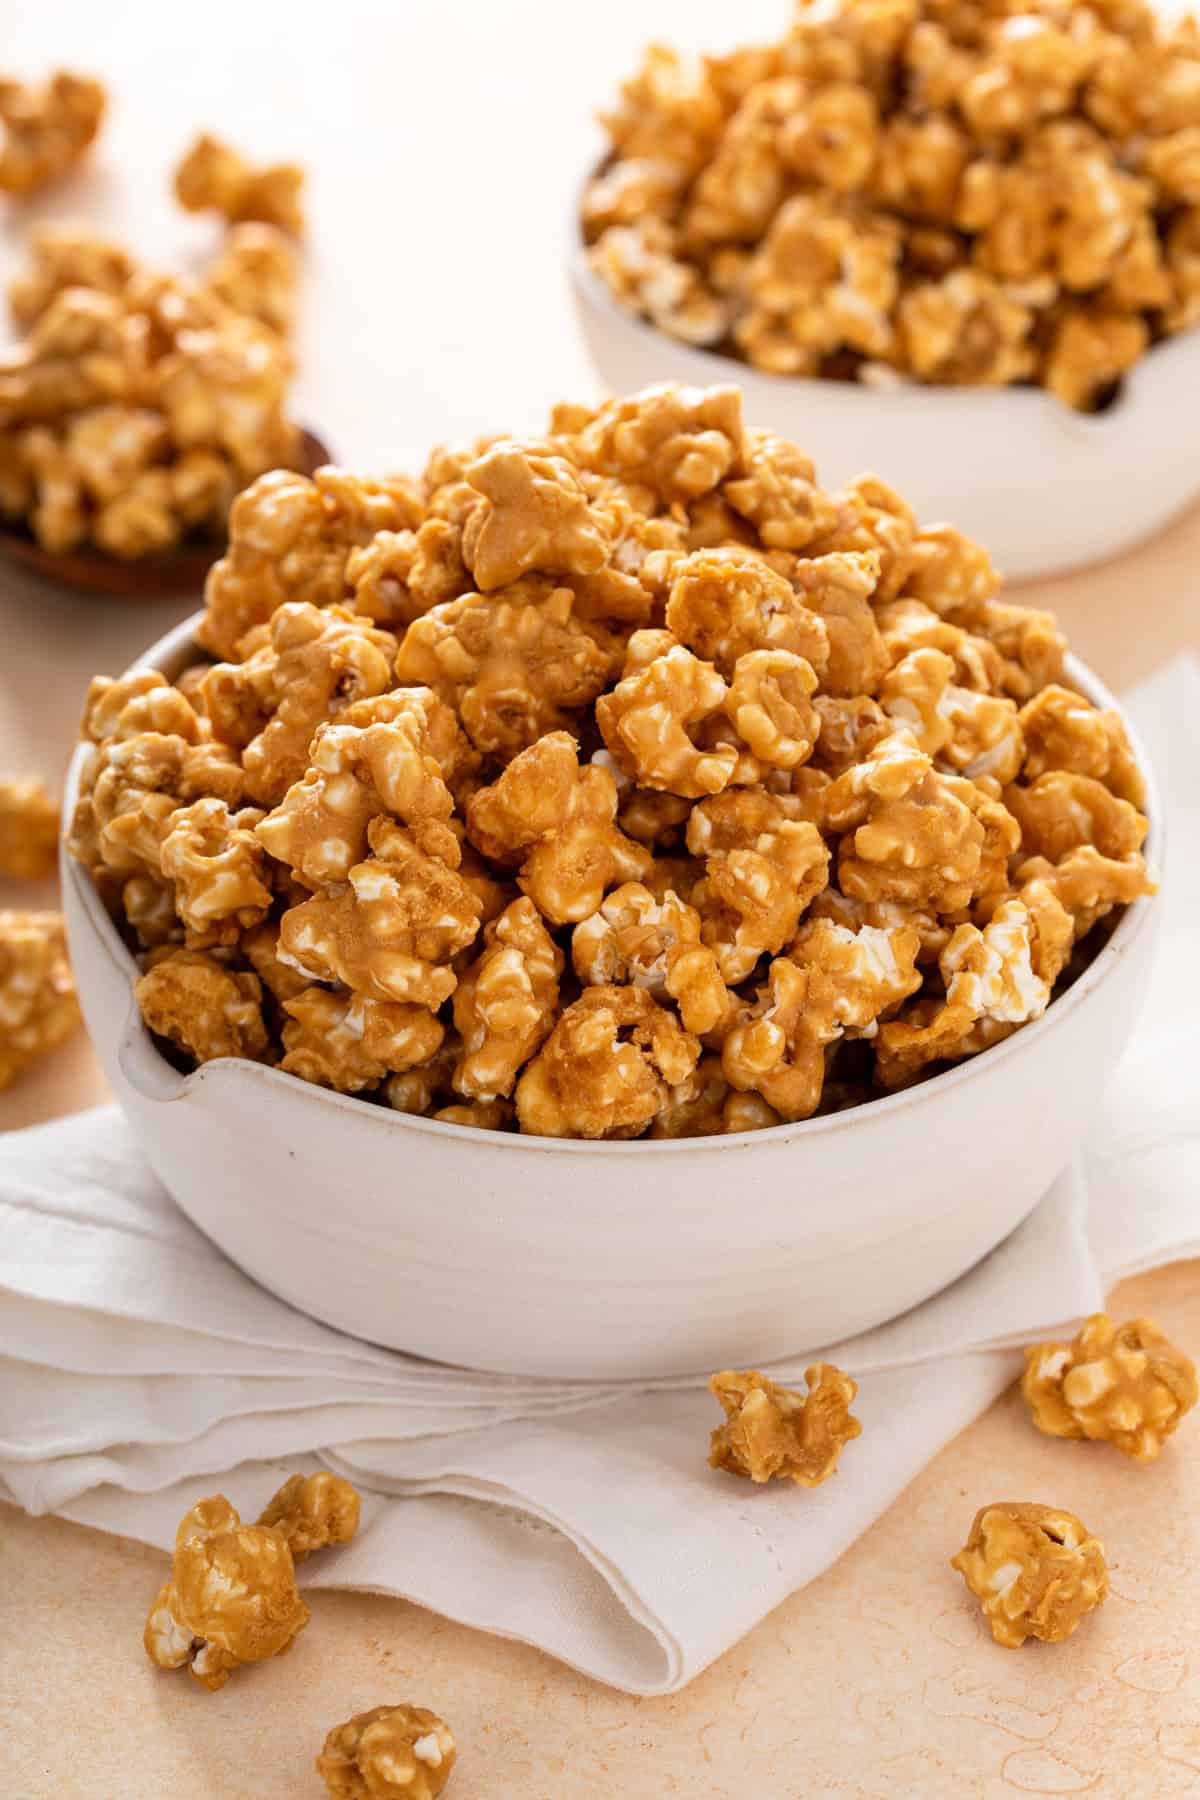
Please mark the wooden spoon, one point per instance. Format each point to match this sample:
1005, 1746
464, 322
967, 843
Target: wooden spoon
171, 574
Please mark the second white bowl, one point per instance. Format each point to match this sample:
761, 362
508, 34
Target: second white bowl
1045, 488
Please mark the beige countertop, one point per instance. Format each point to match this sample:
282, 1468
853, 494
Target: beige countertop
426, 318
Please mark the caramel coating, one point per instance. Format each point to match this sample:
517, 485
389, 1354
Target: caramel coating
28, 829
46, 129
811, 809
38, 1007
389, 1753
956, 194
1125, 1385
214, 177
231, 1598
773, 1433
311, 1511
607, 1067
1035, 1571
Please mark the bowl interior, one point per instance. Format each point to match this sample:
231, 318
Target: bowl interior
173, 652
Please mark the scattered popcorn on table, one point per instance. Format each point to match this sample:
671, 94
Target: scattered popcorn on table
1035, 1571
232, 1595
388, 1753
772, 1432
215, 177
28, 829
622, 781
140, 403
967, 195
38, 1007
1120, 1384
46, 129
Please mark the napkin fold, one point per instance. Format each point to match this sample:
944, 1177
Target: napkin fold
138, 1368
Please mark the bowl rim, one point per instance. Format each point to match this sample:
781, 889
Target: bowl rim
173, 649
952, 398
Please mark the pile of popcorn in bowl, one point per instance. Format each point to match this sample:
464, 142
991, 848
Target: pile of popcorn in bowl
622, 781
966, 192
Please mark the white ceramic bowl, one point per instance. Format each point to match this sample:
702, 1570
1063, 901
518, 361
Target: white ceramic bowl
598, 1260
1045, 488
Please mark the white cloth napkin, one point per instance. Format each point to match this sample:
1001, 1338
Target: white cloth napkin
138, 1369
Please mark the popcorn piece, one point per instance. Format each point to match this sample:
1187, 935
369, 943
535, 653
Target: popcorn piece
679, 441
638, 263
506, 1003
1061, 812
533, 514
778, 492
655, 945
46, 129
1062, 730
727, 602
1089, 885
231, 1598
390, 931
310, 1511
38, 1007
315, 665
65, 256
28, 829
515, 665
763, 864
606, 1069
966, 329
1090, 352
977, 733
1001, 976
773, 1432
1036, 1572
401, 1751
1125, 1385
206, 1009
557, 823
256, 274
290, 539
645, 722
704, 1105
838, 588
217, 866
383, 755
908, 837
213, 176
350, 1042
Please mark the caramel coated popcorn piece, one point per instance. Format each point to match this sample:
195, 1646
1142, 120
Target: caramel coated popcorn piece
653, 718
1121, 1384
727, 602
1035, 1572
231, 1598
656, 945
607, 1068
215, 177
217, 866
763, 863
390, 931
256, 274
311, 1511
351, 1042
556, 822
38, 1007
206, 1009
533, 513
46, 129
28, 829
506, 1003
389, 1753
771, 1432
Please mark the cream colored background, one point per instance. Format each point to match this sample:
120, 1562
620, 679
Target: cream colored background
444, 144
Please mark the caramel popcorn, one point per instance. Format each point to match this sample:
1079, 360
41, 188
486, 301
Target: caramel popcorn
140, 403
1122, 1384
964, 195
215, 177
232, 1595
256, 275
28, 829
1036, 1572
771, 1432
310, 1511
619, 781
405, 1752
38, 1008
46, 129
